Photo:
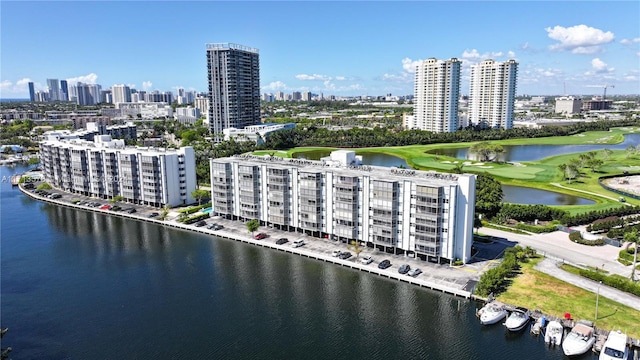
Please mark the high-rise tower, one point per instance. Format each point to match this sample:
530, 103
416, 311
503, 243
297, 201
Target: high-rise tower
492, 94
120, 93
234, 87
32, 92
54, 89
437, 89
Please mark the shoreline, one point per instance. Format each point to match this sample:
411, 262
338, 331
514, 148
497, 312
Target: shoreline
351, 263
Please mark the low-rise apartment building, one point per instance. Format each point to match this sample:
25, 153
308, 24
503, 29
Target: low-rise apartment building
423, 214
106, 168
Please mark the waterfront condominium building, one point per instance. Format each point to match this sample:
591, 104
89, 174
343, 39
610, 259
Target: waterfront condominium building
437, 89
234, 87
105, 168
424, 214
493, 93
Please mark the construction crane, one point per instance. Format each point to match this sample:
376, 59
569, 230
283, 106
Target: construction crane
605, 86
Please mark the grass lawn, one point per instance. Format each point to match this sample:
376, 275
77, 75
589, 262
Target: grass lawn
536, 290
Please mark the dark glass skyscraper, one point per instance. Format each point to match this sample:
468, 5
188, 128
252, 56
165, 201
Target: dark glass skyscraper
234, 87
64, 88
32, 92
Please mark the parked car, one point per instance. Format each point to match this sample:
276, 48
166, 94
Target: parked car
116, 208
260, 236
404, 268
366, 260
336, 253
415, 272
297, 243
210, 226
384, 264
218, 227
55, 196
130, 210
152, 215
345, 255
200, 223
105, 207
282, 241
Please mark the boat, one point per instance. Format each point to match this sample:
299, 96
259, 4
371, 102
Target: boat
615, 347
492, 313
517, 320
553, 333
579, 340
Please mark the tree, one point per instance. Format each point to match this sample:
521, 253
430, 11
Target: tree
606, 153
488, 195
457, 168
486, 151
356, 247
253, 225
165, 212
594, 163
199, 195
632, 236
631, 150
116, 199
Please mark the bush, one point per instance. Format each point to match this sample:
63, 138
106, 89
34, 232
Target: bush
625, 257
194, 209
575, 236
44, 186
495, 280
536, 229
616, 281
589, 217
520, 212
195, 218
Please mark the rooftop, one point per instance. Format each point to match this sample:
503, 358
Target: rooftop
231, 46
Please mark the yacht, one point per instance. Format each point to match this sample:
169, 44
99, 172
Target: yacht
579, 340
517, 320
615, 347
553, 333
492, 313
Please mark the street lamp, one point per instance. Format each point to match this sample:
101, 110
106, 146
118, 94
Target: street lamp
597, 298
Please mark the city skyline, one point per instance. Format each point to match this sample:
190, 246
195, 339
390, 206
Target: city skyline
339, 48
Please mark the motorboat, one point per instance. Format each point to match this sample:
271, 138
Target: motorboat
579, 340
553, 333
615, 347
492, 313
517, 320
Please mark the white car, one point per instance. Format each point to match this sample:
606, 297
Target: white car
336, 253
297, 243
366, 260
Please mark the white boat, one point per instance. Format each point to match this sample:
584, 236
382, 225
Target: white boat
579, 340
615, 347
517, 320
553, 333
492, 313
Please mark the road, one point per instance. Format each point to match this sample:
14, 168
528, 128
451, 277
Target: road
558, 246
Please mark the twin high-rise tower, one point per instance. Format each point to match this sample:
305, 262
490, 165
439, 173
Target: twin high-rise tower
234, 87
437, 91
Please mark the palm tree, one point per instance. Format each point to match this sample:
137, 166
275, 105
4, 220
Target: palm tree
632, 236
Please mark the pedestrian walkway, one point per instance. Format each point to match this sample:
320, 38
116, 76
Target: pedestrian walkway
550, 267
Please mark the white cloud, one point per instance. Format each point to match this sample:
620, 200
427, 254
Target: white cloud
20, 88
402, 77
313, 77
599, 67
630, 41
341, 78
410, 65
474, 56
275, 85
87, 79
579, 39
147, 85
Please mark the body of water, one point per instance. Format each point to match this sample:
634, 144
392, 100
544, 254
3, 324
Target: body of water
82, 285
517, 153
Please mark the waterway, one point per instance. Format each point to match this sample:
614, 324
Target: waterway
518, 153
82, 285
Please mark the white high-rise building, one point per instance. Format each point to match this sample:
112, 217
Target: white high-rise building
568, 105
493, 94
120, 93
437, 89
54, 89
422, 214
234, 87
106, 168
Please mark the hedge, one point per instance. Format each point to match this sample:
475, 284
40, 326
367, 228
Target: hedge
591, 216
194, 209
616, 281
195, 218
537, 229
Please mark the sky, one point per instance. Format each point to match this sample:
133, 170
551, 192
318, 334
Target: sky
339, 48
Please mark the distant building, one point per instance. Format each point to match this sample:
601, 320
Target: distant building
105, 168
54, 89
64, 90
596, 103
146, 110
256, 133
32, 92
493, 94
568, 105
187, 115
437, 89
120, 93
234, 87
421, 214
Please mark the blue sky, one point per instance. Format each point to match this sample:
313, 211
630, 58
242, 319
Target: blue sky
341, 48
